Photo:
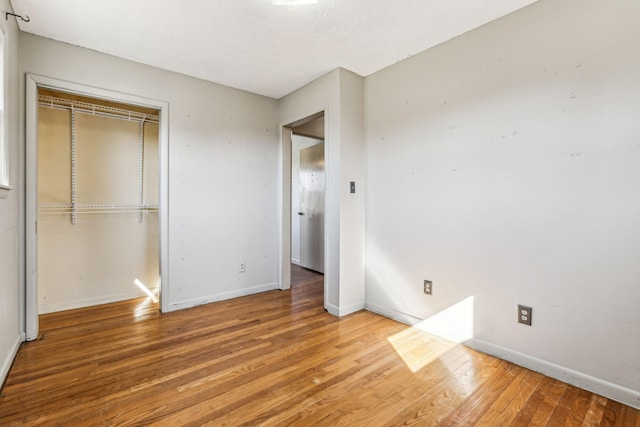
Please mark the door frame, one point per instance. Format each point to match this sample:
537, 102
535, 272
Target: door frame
284, 198
33, 82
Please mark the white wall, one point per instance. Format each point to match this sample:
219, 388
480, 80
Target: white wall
10, 293
352, 206
504, 165
298, 142
339, 94
222, 169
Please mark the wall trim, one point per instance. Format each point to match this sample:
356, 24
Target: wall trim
222, 296
332, 309
349, 309
8, 361
295, 261
87, 302
575, 378
399, 316
344, 311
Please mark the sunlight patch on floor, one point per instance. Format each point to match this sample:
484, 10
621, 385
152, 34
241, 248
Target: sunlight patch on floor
421, 344
143, 307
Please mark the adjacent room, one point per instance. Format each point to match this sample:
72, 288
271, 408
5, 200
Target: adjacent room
320, 212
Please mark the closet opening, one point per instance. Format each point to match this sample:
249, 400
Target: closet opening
95, 199
97, 206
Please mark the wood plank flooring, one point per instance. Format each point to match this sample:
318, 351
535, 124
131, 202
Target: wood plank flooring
275, 358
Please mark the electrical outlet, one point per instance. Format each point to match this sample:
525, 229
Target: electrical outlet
428, 287
524, 314
243, 267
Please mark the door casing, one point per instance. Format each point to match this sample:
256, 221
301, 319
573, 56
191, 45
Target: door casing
33, 82
284, 198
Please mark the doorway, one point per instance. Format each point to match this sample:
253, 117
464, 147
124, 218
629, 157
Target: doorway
75, 210
97, 202
307, 197
308, 194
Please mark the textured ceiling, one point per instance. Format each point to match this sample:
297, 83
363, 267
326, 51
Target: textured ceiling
255, 45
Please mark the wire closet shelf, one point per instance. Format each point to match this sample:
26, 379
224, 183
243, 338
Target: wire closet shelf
73, 208
95, 109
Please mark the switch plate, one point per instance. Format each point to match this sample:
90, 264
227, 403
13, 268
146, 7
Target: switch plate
352, 187
428, 287
524, 314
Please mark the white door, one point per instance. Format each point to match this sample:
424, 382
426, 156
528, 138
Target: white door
312, 207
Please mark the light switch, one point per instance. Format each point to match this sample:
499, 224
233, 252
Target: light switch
352, 187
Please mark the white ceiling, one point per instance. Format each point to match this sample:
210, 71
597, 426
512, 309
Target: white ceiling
255, 45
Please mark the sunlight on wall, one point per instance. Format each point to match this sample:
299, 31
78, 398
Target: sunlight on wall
454, 323
392, 283
146, 290
421, 344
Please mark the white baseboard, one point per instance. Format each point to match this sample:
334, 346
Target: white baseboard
87, 302
578, 379
343, 311
8, 361
407, 319
332, 309
180, 305
295, 261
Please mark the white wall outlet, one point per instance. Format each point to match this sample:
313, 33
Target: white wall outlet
243, 267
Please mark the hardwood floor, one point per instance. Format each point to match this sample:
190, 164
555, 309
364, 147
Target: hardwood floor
275, 358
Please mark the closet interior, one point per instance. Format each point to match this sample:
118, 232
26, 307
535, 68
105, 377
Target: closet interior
98, 178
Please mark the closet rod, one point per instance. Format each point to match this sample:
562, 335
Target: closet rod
58, 206
136, 211
95, 109
81, 209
